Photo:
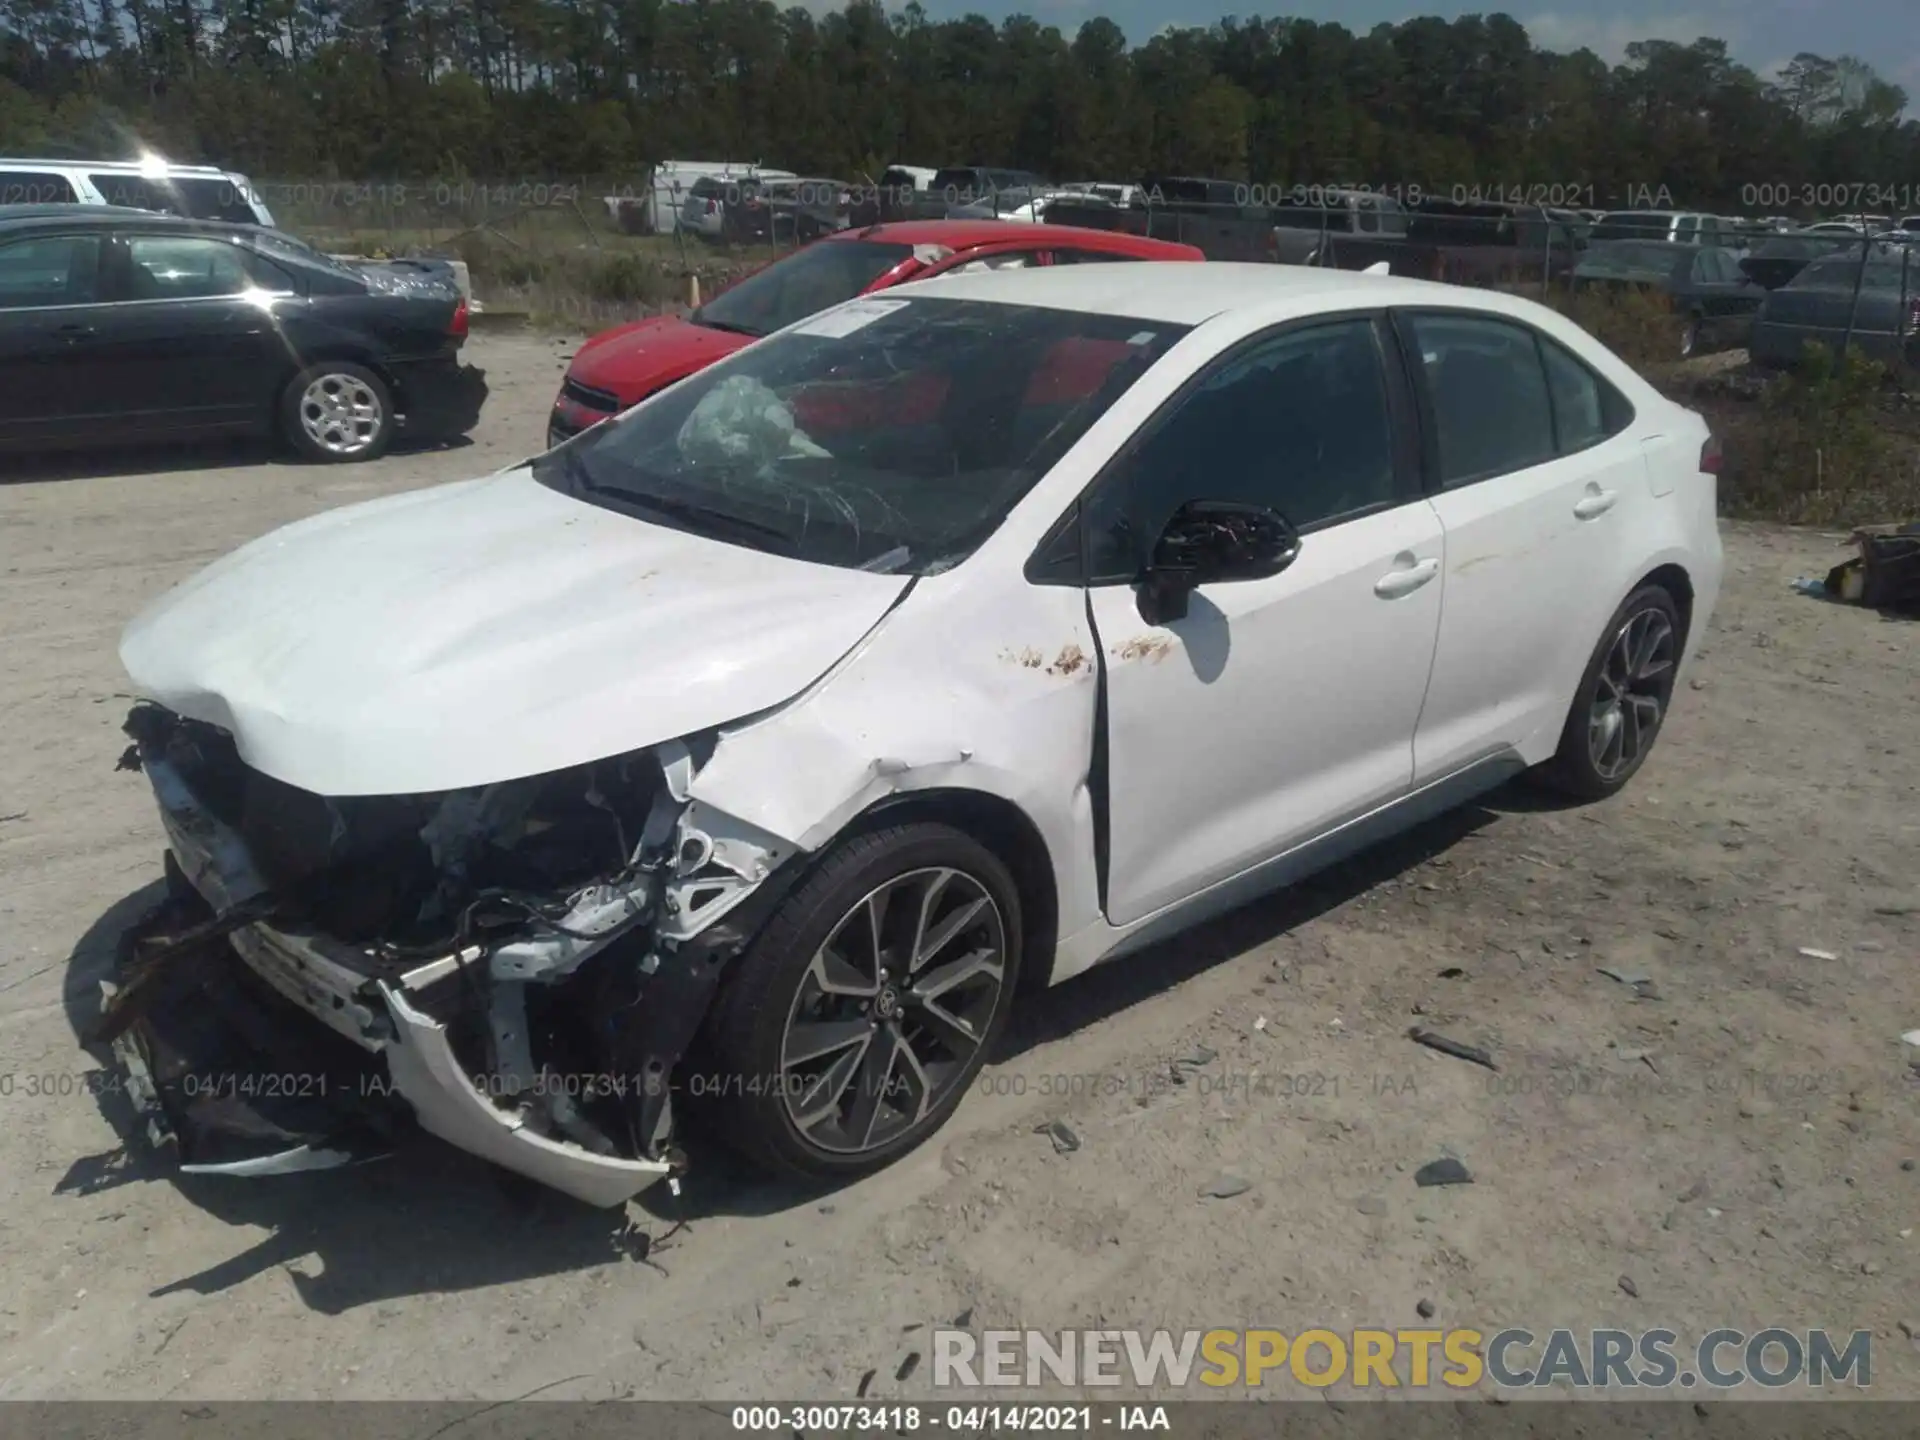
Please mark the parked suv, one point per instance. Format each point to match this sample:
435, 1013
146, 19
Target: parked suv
198, 192
1680, 227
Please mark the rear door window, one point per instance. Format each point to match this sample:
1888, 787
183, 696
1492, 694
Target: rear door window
49, 270
186, 267
36, 187
1487, 390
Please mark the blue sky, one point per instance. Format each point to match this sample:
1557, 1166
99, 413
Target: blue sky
1760, 33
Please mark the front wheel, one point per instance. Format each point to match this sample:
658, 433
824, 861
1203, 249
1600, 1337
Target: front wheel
850, 1029
1622, 700
337, 411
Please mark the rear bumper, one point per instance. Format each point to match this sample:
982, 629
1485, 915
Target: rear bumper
440, 398
275, 1050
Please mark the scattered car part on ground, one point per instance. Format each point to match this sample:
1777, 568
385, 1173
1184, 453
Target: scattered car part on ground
119, 325
737, 763
621, 367
1885, 575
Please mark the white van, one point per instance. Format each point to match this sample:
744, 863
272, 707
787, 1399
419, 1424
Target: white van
200, 192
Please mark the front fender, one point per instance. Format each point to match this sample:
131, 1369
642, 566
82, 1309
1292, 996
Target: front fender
967, 687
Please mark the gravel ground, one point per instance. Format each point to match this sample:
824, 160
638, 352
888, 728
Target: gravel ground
1736, 1142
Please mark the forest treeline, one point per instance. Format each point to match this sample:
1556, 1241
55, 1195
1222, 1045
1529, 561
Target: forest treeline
547, 89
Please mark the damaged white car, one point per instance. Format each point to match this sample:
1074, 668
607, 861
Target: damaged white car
737, 764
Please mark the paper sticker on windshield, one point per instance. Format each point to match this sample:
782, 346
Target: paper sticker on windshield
854, 315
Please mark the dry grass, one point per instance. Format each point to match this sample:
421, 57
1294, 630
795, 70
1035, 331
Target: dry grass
1637, 325
1832, 444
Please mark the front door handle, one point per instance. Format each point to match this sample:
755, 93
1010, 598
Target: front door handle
71, 333
1595, 504
1406, 580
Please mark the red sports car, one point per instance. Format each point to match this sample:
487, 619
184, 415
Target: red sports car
621, 367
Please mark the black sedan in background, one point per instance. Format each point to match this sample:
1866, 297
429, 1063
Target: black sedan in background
1875, 306
1774, 262
1714, 301
120, 325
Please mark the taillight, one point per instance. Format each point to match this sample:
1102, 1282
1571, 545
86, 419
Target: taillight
457, 326
712, 205
1710, 456
1913, 315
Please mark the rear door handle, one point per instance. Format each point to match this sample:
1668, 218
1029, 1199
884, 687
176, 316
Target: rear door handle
1596, 504
1404, 581
73, 332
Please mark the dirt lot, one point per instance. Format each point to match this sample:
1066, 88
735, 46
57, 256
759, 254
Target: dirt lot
1754, 1168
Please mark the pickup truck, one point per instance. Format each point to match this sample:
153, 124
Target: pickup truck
1467, 242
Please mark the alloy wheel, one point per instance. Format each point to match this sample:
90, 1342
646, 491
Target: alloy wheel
1631, 693
341, 414
892, 1009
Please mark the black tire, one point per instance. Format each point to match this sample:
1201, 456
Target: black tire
754, 1092
362, 417
1580, 767
1689, 336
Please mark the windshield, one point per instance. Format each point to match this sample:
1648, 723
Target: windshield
891, 434
1627, 258
1633, 224
808, 281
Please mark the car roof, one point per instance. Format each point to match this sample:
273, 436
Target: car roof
1191, 294
132, 167
39, 217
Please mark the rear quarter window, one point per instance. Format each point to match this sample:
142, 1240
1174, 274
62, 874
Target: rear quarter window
36, 187
1587, 409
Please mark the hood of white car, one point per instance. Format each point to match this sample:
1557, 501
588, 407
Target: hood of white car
481, 631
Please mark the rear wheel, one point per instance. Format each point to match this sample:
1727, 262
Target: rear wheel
1623, 698
337, 412
850, 1029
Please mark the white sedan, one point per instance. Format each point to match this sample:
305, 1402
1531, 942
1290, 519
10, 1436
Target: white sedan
737, 765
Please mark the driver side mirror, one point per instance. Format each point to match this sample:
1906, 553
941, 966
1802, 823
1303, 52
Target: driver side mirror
1211, 542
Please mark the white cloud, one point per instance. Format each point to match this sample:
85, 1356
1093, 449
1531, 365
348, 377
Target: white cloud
1608, 36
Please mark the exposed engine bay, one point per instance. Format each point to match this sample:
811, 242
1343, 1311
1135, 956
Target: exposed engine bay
517, 967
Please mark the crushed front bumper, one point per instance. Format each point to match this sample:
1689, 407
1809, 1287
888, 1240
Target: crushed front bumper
230, 1069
